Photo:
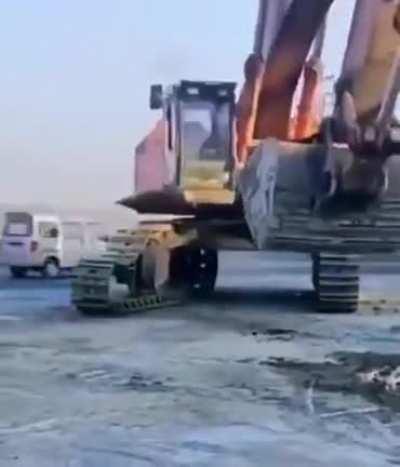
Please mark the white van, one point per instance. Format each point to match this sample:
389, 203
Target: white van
47, 244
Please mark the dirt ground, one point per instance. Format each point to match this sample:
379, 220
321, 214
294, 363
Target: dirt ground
252, 378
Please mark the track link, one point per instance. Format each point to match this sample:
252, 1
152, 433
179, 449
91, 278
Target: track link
336, 280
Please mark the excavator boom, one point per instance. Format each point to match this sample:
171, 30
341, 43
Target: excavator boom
284, 66
284, 37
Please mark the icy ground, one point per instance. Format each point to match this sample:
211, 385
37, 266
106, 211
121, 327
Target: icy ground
254, 378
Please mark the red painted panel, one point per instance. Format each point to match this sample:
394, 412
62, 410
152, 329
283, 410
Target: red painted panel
150, 164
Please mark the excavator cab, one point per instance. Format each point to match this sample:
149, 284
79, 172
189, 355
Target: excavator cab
199, 119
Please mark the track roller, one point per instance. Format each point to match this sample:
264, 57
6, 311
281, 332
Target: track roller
336, 279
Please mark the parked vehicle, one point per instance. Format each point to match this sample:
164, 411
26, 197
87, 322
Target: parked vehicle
46, 243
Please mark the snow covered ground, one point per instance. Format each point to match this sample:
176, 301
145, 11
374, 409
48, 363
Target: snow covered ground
253, 378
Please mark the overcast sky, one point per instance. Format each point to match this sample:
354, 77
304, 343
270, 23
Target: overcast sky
74, 82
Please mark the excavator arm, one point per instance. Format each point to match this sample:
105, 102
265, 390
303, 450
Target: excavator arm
284, 38
369, 83
284, 66
287, 56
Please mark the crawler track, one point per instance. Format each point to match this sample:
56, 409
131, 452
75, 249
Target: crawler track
336, 280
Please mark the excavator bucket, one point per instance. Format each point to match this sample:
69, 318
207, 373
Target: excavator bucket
278, 182
284, 186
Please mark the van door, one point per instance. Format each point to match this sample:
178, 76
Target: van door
73, 243
48, 244
17, 239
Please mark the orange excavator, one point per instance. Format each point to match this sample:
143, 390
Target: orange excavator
269, 171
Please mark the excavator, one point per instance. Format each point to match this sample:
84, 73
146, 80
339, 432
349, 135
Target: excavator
269, 170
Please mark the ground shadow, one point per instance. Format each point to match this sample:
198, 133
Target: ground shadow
293, 300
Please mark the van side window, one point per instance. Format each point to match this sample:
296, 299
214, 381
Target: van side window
48, 229
73, 231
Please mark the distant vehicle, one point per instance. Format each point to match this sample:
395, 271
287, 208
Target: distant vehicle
46, 243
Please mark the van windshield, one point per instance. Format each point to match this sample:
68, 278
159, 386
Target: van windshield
18, 225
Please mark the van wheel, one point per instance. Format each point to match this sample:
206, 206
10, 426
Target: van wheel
51, 269
17, 272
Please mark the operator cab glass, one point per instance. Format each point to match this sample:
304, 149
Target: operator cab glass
205, 132
206, 142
